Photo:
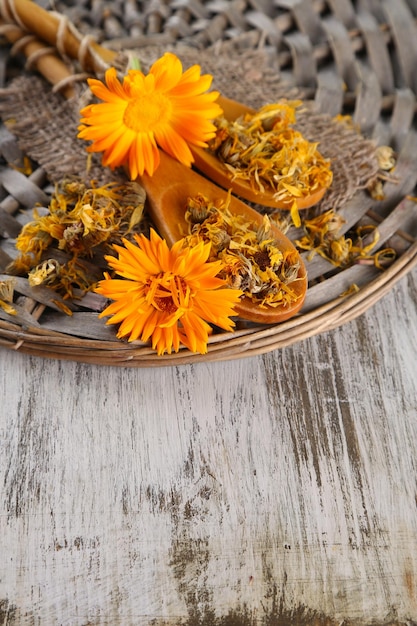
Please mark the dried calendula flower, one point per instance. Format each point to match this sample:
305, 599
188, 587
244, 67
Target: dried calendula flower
6, 296
251, 257
263, 149
63, 277
347, 120
386, 157
322, 237
79, 221
387, 161
376, 189
45, 273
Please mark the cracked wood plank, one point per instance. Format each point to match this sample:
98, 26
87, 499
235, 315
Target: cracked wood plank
274, 490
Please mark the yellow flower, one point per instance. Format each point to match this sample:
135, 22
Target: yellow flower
165, 108
169, 295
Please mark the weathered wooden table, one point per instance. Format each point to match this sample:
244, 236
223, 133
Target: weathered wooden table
274, 490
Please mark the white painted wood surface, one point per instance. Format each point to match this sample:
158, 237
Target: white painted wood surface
274, 490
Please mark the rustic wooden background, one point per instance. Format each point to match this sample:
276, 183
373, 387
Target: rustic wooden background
274, 490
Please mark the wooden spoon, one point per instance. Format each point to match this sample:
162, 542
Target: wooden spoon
214, 168
46, 25
167, 192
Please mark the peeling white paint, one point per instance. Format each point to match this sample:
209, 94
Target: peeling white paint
278, 484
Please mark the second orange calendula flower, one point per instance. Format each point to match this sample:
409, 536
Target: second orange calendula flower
167, 295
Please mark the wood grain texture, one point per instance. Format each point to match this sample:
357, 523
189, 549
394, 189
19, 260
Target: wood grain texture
274, 490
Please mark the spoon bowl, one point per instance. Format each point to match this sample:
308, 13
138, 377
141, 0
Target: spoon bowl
167, 192
208, 163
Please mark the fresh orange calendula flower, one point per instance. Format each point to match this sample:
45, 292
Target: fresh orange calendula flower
170, 296
167, 107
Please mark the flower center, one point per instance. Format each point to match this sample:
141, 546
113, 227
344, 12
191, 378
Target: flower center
168, 293
146, 111
164, 303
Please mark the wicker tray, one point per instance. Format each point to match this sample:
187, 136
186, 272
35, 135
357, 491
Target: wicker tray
357, 58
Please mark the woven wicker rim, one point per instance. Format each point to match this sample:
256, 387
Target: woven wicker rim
377, 92
221, 347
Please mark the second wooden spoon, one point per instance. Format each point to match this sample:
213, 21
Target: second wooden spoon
167, 193
214, 168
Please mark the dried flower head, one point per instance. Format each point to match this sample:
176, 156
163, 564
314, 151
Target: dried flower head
386, 157
322, 236
6, 296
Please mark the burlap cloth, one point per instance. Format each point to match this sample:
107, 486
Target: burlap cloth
45, 123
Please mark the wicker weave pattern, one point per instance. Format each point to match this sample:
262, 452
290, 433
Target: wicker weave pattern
357, 58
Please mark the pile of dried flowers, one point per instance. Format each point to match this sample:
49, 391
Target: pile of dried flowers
252, 258
80, 221
322, 237
264, 149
